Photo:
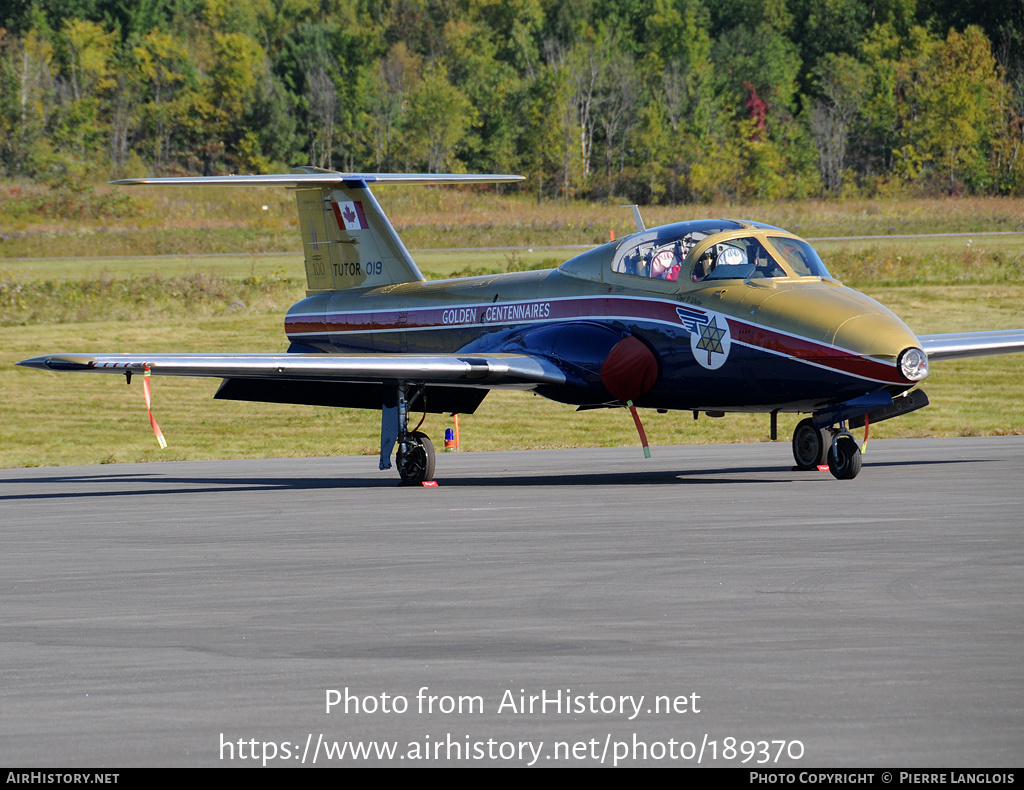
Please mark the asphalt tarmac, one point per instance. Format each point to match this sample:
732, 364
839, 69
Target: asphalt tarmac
557, 608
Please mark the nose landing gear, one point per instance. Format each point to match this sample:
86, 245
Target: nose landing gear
844, 456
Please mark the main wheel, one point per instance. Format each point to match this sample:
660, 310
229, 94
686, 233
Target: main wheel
810, 445
844, 463
415, 459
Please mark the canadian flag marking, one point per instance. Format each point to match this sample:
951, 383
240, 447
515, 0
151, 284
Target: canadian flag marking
350, 215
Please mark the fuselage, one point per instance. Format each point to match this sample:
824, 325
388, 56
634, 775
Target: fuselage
735, 316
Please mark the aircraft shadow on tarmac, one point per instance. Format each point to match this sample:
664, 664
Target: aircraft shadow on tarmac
192, 486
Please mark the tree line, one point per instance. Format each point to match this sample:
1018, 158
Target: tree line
650, 100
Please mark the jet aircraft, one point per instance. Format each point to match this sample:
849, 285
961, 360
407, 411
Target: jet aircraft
713, 316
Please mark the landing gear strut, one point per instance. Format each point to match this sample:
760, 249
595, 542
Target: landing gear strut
814, 447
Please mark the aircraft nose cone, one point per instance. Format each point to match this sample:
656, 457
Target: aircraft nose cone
849, 322
879, 335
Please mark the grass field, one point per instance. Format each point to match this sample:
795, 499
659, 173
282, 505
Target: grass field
107, 220
203, 302
76, 290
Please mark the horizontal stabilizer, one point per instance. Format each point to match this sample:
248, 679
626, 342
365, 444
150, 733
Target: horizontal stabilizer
321, 178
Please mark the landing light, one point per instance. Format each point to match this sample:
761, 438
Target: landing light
913, 364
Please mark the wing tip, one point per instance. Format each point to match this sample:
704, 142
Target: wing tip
59, 362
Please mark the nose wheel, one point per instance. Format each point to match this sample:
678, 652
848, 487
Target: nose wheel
844, 457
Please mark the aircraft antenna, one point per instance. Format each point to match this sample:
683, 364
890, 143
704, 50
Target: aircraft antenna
636, 217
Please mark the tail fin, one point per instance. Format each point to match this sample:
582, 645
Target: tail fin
347, 240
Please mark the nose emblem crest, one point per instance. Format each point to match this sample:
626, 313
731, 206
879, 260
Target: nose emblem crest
709, 336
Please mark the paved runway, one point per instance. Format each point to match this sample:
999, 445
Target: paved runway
199, 614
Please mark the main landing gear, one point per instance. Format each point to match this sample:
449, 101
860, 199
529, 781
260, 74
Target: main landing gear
415, 455
814, 447
415, 458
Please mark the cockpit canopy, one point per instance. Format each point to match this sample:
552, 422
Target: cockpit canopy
712, 250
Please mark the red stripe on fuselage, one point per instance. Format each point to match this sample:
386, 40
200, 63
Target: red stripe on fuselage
811, 351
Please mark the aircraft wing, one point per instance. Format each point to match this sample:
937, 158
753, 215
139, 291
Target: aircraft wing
480, 370
972, 344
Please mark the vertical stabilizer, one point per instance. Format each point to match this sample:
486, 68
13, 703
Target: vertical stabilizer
348, 241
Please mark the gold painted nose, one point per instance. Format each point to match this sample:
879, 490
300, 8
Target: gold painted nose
881, 336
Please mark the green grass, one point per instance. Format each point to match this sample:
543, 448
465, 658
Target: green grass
113, 268
106, 220
140, 298
435, 264
144, 288
36, 291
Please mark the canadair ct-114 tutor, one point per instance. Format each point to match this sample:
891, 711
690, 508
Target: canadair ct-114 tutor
709, 316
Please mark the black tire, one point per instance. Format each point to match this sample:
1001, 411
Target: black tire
415, 459
844, 463
810, 445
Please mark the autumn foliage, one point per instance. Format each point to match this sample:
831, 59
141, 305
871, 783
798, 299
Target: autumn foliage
640, 100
